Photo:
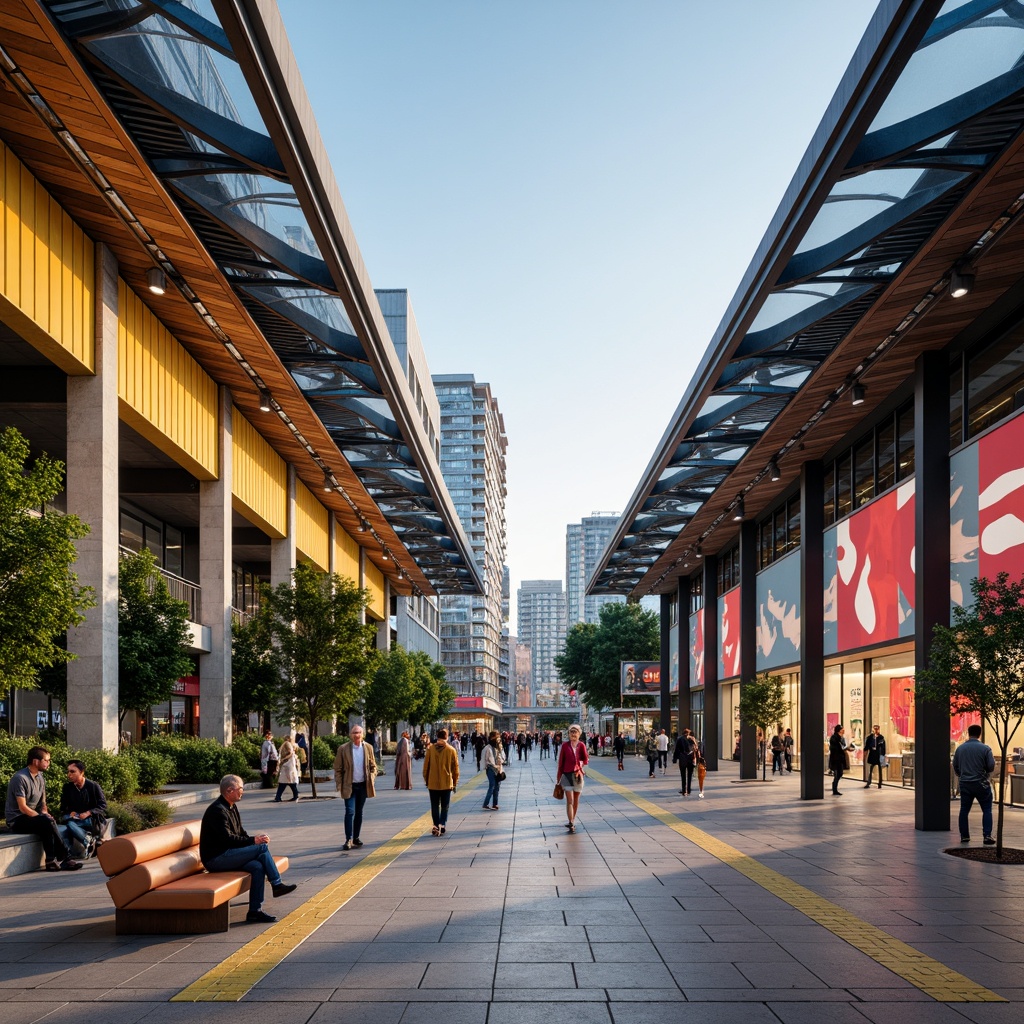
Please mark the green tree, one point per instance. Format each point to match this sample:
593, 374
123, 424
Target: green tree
764, 706
40, 597
390, 693
976, 664
593, 651
255, 665
326, 650
434, 698
153, 635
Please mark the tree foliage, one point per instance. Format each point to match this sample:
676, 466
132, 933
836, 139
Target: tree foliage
390, 693
976, 664
590, 662
255, 665
763, 705
325, 648
40, 596
153, 635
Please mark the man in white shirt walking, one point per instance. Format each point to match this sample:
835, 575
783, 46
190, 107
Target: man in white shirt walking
662, 741
354, 772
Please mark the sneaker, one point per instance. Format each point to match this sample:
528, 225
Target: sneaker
347, 844
282, 889
700, 796
988, 841
259, 917
357, 842
965, 839
70, 865
52, 865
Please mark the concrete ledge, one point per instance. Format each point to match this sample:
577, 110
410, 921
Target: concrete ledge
19, 854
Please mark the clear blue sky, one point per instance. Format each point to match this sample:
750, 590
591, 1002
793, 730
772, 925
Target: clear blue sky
571, 191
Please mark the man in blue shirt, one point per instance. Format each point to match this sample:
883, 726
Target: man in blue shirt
973, 763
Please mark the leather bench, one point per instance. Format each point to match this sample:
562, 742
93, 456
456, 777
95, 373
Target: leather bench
159, 886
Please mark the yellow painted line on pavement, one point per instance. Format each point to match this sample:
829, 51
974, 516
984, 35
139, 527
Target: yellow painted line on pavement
229, 981
936, 979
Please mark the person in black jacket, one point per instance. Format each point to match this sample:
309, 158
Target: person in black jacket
225, 846
685, 755
874, 745
83, 808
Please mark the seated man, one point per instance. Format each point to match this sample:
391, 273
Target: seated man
225, 846
26, 811
83, 808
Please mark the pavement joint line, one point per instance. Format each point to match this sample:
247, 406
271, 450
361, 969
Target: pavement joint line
942, 983
240, 972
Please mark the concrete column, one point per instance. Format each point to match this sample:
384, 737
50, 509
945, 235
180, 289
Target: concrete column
712, 727
282, 552
748, 642
92, 493
931, 604
215, 581
665, 721
811, 731
683, 626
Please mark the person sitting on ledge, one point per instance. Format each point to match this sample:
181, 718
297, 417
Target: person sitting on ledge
26, 811
83, 808
225, 846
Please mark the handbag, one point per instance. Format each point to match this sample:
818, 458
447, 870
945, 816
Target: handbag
559, 792
846, 760
500, 776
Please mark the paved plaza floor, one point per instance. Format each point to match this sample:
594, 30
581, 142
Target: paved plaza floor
750, 905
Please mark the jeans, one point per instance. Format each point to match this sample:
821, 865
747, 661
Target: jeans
82, 832
281, 786
871, 772
354, 811
686, 777
969, 792
776, 761
837, 774
663, 759
254, 859
439, 800
46, 829
493, 785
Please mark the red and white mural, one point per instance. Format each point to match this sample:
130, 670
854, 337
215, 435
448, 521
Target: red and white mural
869, 573
729, 634
696, 650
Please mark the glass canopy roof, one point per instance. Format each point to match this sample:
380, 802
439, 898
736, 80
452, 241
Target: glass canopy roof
167, 69
955, 106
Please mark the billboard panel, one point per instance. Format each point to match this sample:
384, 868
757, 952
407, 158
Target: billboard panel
640, 678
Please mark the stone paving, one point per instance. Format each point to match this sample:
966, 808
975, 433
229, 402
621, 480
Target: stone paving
507, 916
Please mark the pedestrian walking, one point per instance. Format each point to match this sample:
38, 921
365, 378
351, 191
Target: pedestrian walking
663, 750
268, 761
478, 746
441, 774
572, 759
787, 750
838, 758
875, 747
355, 768
288, 772
973, 763
651, 753
305, 761
777, 751
619, 746
684, 755
494, 761
403, 763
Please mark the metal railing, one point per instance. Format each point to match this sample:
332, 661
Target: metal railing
180, 589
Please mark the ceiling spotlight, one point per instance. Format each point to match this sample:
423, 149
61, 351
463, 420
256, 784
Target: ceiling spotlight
961, 281
698, 552
361, 528
857, 394
773, 471
156, 280
384, 554
401, 574
264, 400
328, 485
738, 512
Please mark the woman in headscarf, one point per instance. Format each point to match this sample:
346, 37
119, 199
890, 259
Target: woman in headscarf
403, 763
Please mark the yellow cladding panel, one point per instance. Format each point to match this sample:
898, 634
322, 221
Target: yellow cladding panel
312, 533
165, 394
346, 555
374, 584
259, 479
47, 274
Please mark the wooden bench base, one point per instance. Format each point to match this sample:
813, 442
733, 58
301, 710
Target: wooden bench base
172, 922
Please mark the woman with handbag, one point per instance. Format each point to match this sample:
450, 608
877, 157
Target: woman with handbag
494, 759
571, 760
838, 758
288, 772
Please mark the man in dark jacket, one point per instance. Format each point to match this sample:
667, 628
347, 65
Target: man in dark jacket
83, 808
225, 846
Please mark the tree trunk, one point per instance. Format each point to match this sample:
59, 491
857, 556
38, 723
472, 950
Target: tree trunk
1003, 746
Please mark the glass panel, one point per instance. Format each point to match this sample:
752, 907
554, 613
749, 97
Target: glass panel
853, 710
764, 544
793, 526
952, 65
905, 442
172, 550
153, 540
168, 57
830, 494
779, 520
892, 708
131, 532
328, 309
864, 472
886, 455
956, 404
782, 305
995, 382
844, 493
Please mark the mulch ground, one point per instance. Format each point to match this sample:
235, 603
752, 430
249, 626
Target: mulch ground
987, 854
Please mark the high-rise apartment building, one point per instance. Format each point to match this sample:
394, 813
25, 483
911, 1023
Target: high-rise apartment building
584, 544
473, 445
541, 611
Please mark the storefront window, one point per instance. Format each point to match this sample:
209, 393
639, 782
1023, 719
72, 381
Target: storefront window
892, 708
844, 705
